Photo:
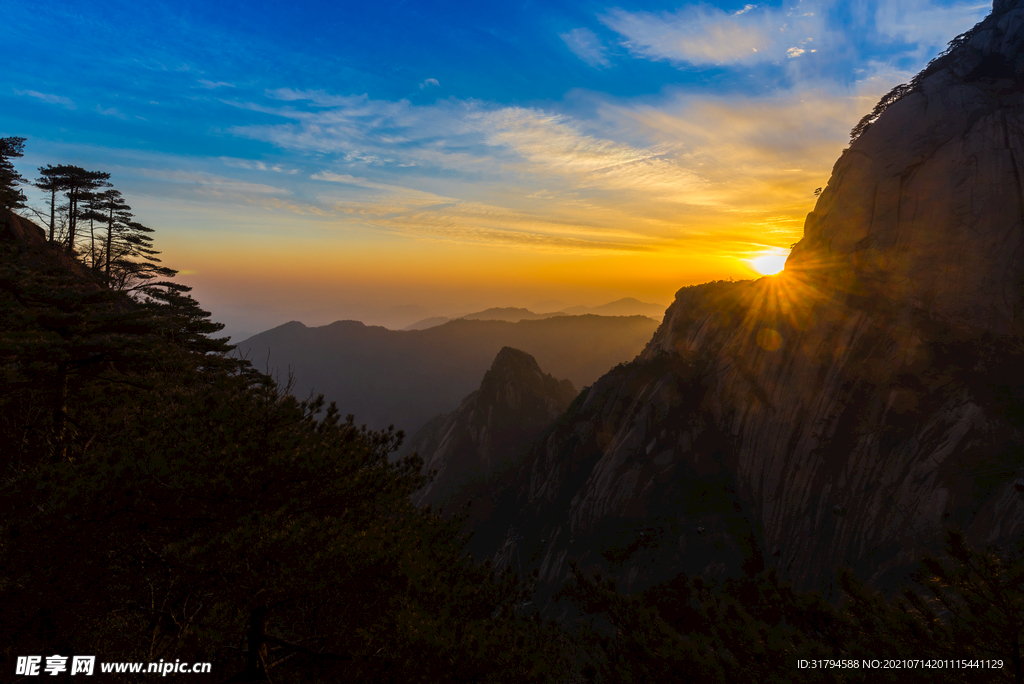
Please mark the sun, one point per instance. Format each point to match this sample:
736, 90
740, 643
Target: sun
769, 264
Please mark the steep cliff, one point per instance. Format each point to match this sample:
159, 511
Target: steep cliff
487, 434
843, 412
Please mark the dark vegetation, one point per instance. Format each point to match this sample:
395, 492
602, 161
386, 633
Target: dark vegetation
966, 606
161, 499
941, 61
991, 69
11, 196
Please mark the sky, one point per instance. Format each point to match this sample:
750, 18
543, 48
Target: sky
390, 161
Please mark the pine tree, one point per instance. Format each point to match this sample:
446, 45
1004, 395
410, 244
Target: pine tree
91, 211
50, 181
111, 209
11, 197
77, 184
136, 263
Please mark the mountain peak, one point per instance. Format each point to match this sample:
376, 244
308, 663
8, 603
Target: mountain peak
510, 359
488, 432
515, 381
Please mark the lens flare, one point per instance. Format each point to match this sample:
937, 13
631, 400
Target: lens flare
769, 264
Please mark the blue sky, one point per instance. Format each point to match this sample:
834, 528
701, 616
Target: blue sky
326, 160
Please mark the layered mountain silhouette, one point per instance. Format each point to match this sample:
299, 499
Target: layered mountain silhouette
486, 435
844, 412
405, 378
622, 307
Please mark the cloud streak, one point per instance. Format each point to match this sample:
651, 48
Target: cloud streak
211, 184
483, 224
65, 102
256, 165
111, 111
924, 23
704, 35
585, 44
694, 166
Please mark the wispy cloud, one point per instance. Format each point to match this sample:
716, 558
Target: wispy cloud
319, 98
694, 166
211, 184
395, 195
926, 24
552, 145
755, 152
111, 111
214, 84
367, 131
255, 165
585, 44
471, 138
700, 34
348, 179
430, 82
48, 98
478, 223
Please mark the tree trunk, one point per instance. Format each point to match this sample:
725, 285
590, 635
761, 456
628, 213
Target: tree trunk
110, 231
53, 211
72, 224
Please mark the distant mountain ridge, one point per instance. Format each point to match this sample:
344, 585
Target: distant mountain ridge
405, 378
627, 306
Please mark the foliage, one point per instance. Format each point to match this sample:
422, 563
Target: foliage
222, 521
967, 605
50, 181
11, 197
689, 629
904, 89
78, 185
163, 500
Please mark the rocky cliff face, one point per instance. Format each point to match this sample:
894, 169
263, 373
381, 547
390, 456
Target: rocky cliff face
487, 434
843, 412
